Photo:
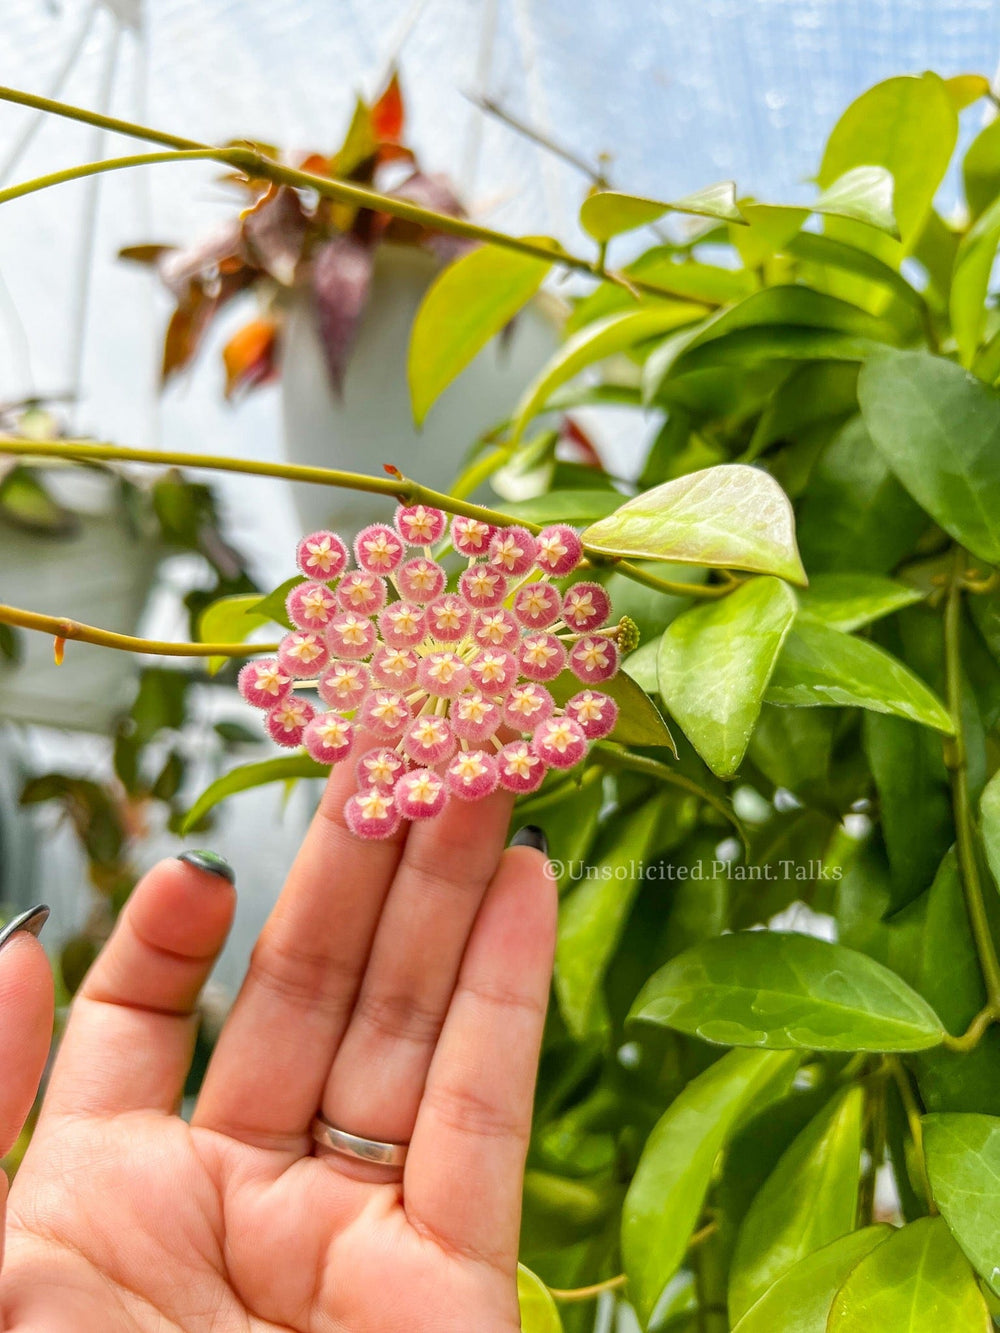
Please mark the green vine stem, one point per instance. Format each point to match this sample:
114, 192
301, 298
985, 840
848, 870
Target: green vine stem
61, 628
397, 486
912, 1112
957, 761
255, 164
612, 756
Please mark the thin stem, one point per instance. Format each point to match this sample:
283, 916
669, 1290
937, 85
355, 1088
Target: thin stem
397, 486
255, 164
975, 1032
101, 167
588, 1293
912, 1112
61, 628
957, 760
613, 757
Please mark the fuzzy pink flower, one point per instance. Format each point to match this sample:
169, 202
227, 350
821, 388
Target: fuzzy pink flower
420, 794
472, 774
263, 683
310, 605
541, 656
322, 555
402, 625
482, 586
421, 580
361, 592
303, 654
429, 740
595, 713
385, 713
328, 737
470, 536
343, 685
287, 721
494, 671
537, 605
372, 813
558, 550
512, 550
449, 619
527, 705
395, 667
496, 629
378, 549
560, 742
586, 607
351, 635
475, 717
419, 525
443, 674
381, 767
520, 769
593, 659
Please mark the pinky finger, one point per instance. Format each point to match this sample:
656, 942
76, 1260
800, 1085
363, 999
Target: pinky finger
26, 1010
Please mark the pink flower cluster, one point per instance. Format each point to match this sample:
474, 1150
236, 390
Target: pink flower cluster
451, 684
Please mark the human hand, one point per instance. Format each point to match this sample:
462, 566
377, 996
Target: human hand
401, 986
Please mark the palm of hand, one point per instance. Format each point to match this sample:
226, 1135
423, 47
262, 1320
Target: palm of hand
408, 1006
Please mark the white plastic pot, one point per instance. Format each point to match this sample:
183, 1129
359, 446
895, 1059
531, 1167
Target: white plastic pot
100, 575
373, 424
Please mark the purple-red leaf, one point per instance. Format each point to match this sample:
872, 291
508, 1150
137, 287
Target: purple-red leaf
274, 231
341, 279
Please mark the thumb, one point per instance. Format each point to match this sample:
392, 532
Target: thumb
26, 1011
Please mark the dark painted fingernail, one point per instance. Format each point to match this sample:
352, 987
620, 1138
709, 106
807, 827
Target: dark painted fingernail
531, 836
210, 861
28, 923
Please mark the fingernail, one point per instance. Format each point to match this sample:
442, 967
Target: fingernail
212, 862
28, 923
531, 836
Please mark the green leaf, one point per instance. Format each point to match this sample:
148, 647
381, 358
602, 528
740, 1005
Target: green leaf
616, 333
641, 666
989, 811
592, 917
467, 305
809, 1200
849, 601
828, 252
914, 802
762, 988
639, 721
575, 507
665, 1198
732, 516
964, 89
963, 1163
938, 428
907, 125
714, 664
538, 1310
247, 776
981, 169
608, 213
26, 503
971, 280
272, 607
800, 1301
229, 620
916, 1282
863, 194
820, 667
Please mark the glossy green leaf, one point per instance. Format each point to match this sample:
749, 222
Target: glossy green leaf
907, 125
971, 280
914, 801
668, 1189
762, 988
615, 333
592, 917
848, 601
641, 666
829, 252
575, 507
800, 1301
863, 194
639, 720
608, 213
809, 1200
731, 516
246, 776
938, 428
916, 1282
981, 169
714, 664
963, 1163
229, 620
989, 811
272, 607
539, 1313
820, 667
965, 89
467, 305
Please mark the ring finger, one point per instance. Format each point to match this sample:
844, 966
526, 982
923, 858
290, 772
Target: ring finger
378, 1074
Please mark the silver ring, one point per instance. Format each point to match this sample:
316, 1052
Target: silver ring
352, 1145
